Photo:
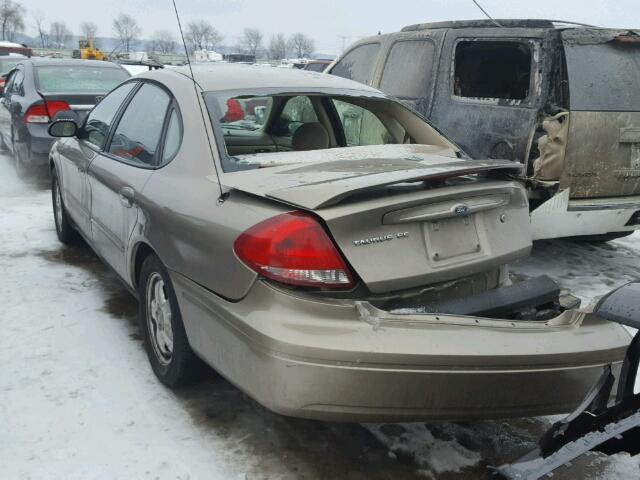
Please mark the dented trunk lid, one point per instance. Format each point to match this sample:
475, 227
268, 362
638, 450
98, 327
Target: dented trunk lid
603, 145
403, 221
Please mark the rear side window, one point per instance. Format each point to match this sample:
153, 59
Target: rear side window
173, 138
407, 72
137, 136
17, 82
98, 123
358, 63
60, 79
492, 70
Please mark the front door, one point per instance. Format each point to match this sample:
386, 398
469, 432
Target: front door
118, 175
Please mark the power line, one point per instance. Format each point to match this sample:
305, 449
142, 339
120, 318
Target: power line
485, 12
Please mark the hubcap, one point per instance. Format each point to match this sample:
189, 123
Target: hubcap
159, 319
57, 205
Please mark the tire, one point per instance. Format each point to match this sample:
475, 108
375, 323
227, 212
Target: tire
67, 234
168, 349
23, 168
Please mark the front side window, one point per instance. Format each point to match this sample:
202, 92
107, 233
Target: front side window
407, 72
296, 112
137, 136
96, 127
360, 126
358, 63
492, 69
76, 79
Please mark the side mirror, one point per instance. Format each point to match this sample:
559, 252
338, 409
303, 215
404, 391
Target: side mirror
64, 124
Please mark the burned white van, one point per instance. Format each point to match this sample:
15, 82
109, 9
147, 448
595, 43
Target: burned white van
561, 98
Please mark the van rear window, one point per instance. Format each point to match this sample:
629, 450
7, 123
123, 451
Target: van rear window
485, 69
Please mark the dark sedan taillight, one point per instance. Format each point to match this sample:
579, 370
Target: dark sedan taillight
44, 112
293, 248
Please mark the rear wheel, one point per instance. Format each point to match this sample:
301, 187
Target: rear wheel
165, 339
64, 228
21, 155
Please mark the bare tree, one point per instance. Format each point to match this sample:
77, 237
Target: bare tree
202, 36
252, 40
127, 30
41, 29
59, 34
301, 45
277, 47
88, 30
162, 42
11, 18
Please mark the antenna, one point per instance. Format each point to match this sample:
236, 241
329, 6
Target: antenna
485, 12
223, 195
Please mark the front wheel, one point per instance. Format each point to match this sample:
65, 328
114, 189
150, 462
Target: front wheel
165, 339
64, 229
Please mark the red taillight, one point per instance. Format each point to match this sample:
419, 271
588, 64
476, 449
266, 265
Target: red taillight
44, 112
293, 248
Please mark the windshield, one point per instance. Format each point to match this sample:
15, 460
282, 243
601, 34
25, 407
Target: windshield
78, 79
604, 76
257, 128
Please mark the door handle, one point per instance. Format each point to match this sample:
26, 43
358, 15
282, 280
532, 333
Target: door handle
126, 195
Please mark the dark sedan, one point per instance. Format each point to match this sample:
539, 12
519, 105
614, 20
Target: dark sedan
38, 88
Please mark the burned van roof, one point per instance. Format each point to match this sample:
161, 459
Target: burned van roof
497, 23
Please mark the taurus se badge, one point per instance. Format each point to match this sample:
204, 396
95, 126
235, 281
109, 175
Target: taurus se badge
380, 239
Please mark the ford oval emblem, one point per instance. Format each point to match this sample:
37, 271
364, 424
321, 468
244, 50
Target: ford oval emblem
461, 210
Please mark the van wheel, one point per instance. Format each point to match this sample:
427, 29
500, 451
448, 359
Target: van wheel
64, 228
165, 339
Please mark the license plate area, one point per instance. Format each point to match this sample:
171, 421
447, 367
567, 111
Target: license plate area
451, 238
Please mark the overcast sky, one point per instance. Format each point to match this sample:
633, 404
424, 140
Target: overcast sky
325, 21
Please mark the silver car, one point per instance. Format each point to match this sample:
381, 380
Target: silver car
321, 246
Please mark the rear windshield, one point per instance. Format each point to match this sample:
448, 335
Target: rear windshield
77, 79
604, 77
251, 128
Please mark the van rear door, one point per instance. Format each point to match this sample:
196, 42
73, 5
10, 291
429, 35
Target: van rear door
603, 147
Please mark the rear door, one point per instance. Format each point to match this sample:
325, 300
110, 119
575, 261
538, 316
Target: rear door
489, 91
118, 175
603, 147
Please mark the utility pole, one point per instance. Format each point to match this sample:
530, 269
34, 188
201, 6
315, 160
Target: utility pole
344, 39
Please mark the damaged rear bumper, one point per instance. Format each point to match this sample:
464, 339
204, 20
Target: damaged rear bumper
343, 360
561, 217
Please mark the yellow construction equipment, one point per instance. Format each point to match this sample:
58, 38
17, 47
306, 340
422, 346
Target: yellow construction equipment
87, 51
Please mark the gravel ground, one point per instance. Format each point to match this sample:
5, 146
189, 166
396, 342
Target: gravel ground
79, 401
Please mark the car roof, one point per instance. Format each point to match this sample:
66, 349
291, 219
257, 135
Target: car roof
69, 62
228, 76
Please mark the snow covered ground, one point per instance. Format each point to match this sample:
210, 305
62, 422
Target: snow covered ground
79, 401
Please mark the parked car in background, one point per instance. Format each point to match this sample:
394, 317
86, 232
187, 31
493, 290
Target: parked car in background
561, 99
317, 65
330, 253
18, 48
36, 89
